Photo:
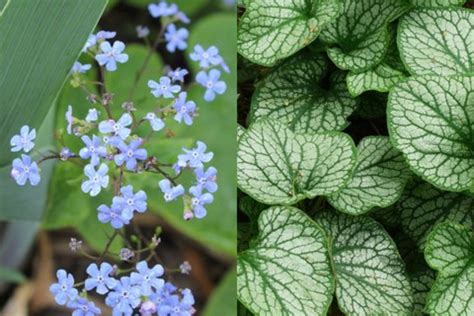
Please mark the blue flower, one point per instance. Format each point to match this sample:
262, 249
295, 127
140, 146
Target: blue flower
64, 290
104, 35
195, 157
93, 150
199, 200
180, 16
207, 179
185, 110
112, 215
100, 279
165, 88
80, 68
142, 31
130, 202
118, 128
129, 154
65, 154
124, 298
111, 55
160, 296
206, 57
175, 306
211, 83
147, 278
170, 192
155, 122
92, 115
69, 119
91, 41
162, 9
148, 308
178, 74
83, 307
25, 170
97, 179
24, 141
176, 39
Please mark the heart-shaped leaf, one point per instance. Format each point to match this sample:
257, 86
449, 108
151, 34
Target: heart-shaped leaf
286, 271
292, 94
383, 76
422, 206
450, 251
276, 166
370, 274
437, 41
271, 30
359, 36
378, 179
421, 282
430, 121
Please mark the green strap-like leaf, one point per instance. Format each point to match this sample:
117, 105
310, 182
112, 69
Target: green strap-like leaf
422, 206
276, 166
378, 179
271, 30
370, 274
360, 35
293, 95
450, 251
287, 270
39, 42
430, 120
438, 3
437, 41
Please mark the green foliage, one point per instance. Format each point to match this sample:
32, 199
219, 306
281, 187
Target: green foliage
272, 30
277, 166
450, 251
29, 85
378, 179
292, 94
11, 276
286, 271
407, 98
222, 301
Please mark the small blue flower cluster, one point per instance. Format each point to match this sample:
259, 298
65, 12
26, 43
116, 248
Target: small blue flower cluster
143, 289
112, 147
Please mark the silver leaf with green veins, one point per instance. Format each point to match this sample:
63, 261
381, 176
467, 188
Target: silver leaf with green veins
378, 180
286, 271
277, 166
359, 35
271, 30
370, 274
421, 282
431, 120
450, 251
423, 206
437, 3
438, 41
293, 95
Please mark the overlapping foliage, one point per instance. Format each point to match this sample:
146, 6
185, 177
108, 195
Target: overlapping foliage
384, 227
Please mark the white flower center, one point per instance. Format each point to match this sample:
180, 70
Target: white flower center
164, 88
195, 154
209, 84
92, 149
130, 153
116, 127
205, 55
130, 201
167, 196
95, 179
195, 201
26, 169
183, 109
